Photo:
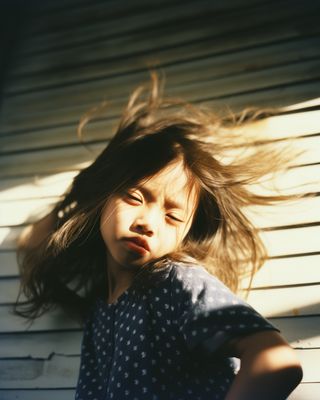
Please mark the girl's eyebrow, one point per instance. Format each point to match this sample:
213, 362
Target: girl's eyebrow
149, 195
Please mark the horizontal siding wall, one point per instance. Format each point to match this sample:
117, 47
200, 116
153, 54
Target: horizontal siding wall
76, 54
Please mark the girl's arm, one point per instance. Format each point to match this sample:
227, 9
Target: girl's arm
269, 367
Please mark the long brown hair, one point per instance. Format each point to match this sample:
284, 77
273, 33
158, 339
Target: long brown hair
68, 267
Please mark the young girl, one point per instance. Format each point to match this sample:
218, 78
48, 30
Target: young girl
144, 246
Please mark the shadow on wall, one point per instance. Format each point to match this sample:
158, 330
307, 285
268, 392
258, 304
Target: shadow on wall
13, 18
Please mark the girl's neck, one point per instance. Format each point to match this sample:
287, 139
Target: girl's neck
119, 279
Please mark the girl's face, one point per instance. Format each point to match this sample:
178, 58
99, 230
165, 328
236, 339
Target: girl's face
151, 219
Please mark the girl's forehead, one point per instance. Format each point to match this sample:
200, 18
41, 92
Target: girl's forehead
172, 182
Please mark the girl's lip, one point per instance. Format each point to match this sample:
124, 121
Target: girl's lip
135, 245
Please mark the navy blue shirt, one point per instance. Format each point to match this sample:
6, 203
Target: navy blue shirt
161, 344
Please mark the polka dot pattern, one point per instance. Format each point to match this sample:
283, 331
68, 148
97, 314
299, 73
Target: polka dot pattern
160, 343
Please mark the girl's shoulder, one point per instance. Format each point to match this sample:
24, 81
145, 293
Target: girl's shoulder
193, 287
195, 277
207, 312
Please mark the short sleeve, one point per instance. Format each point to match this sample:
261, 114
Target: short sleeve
208, 313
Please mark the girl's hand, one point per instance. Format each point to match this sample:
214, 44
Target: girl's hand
269, 367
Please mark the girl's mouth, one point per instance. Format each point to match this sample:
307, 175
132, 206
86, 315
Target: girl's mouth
136, 245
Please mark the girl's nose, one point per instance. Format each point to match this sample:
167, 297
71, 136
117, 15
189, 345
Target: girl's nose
146, 223
142, 229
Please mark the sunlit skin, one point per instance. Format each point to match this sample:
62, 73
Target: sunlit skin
159, 211
269, 369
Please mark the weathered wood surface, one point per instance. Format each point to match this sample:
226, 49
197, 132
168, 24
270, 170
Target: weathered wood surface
277, 127
218, 92
39, 373
216, 65
54, 321
119, 15
41, 186
221, 54
289, 301
208, 66
40, 344
36, 394
292, 241
36, 186
231, 11
301, 332
287, 271
306, 391
8, 264
60, 159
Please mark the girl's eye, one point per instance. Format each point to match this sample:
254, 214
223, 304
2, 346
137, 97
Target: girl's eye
174, 218
134, 197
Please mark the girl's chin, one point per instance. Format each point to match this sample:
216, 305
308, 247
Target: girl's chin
135, 260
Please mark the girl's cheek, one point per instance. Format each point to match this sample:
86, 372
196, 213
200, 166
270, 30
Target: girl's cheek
180, 233
172, 240
125, 212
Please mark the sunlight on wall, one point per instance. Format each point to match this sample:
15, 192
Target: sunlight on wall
49, 185
4, 232
305, 104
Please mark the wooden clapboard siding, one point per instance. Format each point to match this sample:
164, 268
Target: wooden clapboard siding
208, 65
39, 186
38, 394
53, 321
31, 372
295, 180
40, 344
133, 41
81, 92
302, 124
132, 29
9, 265
287, 271
116, 12
216, 89
67, 158
77, 53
